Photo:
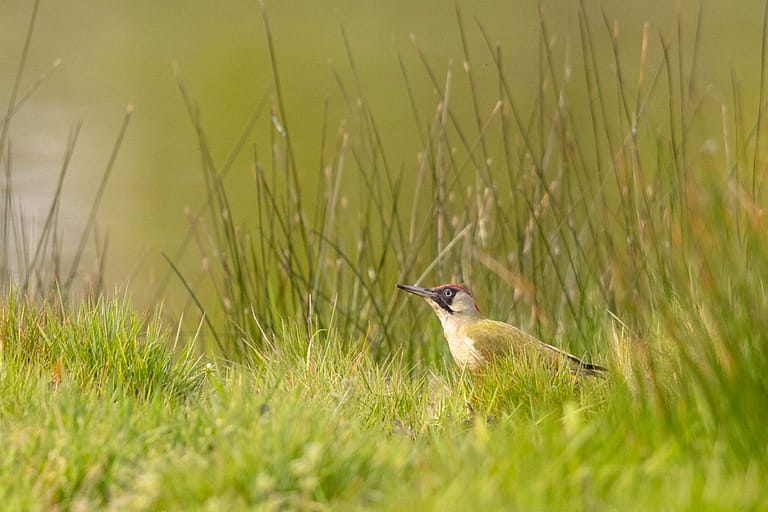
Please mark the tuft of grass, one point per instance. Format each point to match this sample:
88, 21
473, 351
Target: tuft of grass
533, 390
101, 347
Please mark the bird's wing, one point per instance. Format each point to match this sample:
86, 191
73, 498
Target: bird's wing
506, 338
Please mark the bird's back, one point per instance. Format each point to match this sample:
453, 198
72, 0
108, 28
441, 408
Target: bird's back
492, 338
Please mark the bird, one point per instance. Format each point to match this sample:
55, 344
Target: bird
474, 340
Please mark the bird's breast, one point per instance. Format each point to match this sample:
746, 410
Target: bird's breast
464, 352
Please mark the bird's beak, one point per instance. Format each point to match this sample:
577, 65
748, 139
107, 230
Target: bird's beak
417, 290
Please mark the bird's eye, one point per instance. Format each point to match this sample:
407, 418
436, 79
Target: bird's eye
448, 293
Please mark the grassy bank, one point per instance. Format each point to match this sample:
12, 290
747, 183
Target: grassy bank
96, 414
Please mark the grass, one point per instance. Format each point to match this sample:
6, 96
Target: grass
308, 385
320, 426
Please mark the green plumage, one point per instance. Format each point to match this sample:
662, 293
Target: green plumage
493, 338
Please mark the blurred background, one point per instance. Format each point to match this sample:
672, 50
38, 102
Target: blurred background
113, 54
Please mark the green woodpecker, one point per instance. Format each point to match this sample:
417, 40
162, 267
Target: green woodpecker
475, 340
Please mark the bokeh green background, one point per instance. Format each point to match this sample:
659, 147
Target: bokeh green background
119, 53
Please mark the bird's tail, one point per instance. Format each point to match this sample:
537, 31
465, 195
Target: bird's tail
590, 370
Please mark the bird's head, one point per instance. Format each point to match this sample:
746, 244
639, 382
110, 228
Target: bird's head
450, 301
